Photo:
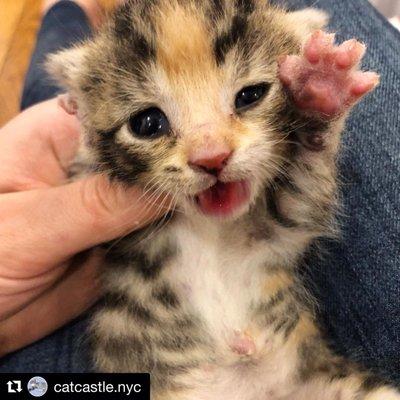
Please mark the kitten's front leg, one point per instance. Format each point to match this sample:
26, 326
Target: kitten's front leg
318, 88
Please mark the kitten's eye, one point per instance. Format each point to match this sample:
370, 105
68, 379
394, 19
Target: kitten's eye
150, 123
250, 95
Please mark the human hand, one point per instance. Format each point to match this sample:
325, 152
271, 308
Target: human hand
45, 221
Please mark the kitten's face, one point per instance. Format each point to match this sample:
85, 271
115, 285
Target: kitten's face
182, 97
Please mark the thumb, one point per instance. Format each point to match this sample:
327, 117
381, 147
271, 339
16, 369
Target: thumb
47, 226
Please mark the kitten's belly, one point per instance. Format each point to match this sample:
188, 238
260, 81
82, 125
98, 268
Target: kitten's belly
221, 288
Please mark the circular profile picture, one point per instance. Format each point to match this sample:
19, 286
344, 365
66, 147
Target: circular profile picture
37, 386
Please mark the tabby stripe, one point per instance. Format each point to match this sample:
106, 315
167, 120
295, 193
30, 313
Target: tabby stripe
372, 382
309, 358
130, 40
315, 359
291, 326
129, 353
273, 209
276, 299
167, 297
300, 128
119, 346
285, 182
148, 270
184, 322
227, 40
140, 312
113, 300
289, 314
217, 9
244, 6
118, 161
178, 341
172, 169
167, 369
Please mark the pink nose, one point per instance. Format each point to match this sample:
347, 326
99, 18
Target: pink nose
211, 161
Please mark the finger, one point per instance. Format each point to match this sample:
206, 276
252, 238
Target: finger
37, 147
71, 296
46, 227
17, 293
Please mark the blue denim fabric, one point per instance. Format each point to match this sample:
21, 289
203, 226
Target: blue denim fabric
63, 25
358, 280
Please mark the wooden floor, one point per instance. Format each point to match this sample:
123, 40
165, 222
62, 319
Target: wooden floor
19, 23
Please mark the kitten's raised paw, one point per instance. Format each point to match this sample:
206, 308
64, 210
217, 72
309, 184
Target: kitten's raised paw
326, 78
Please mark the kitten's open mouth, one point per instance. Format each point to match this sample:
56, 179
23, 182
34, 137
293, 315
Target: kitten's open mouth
224, 198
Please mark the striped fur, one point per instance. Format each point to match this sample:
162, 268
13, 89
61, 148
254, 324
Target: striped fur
184, 297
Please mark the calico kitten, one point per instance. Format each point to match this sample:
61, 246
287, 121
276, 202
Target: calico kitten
235, 109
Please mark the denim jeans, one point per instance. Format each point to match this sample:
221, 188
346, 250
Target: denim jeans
357, 281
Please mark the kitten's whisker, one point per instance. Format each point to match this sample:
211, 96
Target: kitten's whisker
151, 203
159, 224
163, 218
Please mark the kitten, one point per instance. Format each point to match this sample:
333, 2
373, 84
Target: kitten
235, 109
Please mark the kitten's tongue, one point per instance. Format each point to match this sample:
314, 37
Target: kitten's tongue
223, 198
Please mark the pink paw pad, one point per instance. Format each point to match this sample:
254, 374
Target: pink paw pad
242, 344
325, 78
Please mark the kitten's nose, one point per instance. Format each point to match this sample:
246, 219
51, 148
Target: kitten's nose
211, 161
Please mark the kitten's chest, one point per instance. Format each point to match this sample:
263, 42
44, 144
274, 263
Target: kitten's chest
220, 282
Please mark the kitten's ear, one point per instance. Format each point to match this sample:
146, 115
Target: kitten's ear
67, 68
307, 20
